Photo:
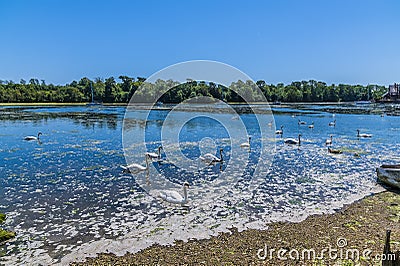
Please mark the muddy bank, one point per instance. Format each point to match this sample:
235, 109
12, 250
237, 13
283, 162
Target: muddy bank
360, 226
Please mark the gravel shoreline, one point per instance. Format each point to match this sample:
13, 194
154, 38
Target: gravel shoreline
359, 226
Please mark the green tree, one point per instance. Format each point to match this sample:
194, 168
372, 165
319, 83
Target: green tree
110, 90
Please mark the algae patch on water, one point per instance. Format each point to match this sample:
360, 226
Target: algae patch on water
5, 235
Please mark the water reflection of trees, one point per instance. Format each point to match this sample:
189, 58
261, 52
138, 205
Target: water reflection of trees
130, 123
85, 119
90, 120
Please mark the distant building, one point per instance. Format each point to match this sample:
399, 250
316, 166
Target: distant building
393, 93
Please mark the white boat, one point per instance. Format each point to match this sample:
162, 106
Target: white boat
92, 103
389, 175
363, 102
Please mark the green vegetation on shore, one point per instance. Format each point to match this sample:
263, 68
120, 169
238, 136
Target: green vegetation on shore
111, 91
4, 234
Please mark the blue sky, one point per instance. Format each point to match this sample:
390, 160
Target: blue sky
355, 41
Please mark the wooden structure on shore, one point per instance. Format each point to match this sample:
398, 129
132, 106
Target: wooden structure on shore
389, 258
392, 95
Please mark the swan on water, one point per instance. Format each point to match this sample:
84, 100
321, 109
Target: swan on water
174, 197
279, 131
28, 138
293, 141
332, 123
153, 155
300, 122
335, 151
208, 157
246, 144
270, 124
363, 135
136, 168
312, 125
329, 141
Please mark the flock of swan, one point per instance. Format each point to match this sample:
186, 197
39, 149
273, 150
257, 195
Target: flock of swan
170, 196
174, 197
328, 142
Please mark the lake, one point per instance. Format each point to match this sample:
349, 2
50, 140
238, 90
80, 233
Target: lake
67, 197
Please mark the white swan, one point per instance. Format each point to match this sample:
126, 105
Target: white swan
329, 141
312, 125
153, 155
293, 141
136, 168
279, 131
174, 197
246, 144
301, 122
363, 135
208, 157
332, 123
270, 124
29, 138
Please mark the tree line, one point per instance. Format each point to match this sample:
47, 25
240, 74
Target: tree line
111, 90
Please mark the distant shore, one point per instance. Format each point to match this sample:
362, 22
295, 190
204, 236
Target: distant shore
124, 104
55, 104
359, 226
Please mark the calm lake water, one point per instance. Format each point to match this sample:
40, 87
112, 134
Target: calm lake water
67, 198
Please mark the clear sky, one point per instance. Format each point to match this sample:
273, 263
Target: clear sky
349, 41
